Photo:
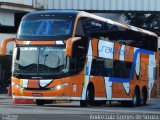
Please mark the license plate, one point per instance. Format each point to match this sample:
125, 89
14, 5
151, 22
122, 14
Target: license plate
36, 94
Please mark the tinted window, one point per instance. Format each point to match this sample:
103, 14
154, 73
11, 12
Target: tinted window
78, 58
45, 29
111, 68
94, 28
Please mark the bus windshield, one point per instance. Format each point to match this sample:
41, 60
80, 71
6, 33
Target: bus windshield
44, 28
41, 61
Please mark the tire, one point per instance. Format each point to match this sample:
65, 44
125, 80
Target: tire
144, 97
126, 103
136, 100
89, 97
40, 102
100, 102
83, 103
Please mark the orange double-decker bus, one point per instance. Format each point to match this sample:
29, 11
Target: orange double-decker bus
74, 55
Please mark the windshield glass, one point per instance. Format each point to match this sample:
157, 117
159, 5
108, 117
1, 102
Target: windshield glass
45, 27
42, 60
51, 59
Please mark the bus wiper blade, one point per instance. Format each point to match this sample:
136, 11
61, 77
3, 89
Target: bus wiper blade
17, 74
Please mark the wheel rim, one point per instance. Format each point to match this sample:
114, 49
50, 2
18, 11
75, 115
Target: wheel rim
135, 100
87, 95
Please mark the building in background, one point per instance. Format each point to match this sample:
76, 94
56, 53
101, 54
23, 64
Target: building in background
11, 12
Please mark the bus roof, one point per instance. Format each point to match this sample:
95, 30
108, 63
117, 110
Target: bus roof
51, 12
126, 26
85, 14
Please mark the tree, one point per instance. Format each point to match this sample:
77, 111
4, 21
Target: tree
145, 21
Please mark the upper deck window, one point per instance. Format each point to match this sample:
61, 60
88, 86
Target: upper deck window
45, 29
114, 33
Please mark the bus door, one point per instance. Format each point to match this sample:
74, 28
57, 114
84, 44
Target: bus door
77, 65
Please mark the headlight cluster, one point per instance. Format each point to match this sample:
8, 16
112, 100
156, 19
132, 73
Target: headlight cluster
17, 86
57, 87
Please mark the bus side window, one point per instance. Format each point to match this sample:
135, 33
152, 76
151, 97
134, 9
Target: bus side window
121, 69
102, 67
79, 30
97, 67
108, 66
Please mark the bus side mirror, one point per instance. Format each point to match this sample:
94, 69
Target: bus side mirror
69, 45
4, 45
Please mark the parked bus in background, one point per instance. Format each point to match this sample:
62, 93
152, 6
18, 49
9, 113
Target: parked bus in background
74, 55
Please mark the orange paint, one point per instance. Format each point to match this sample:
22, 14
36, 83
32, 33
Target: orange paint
95, 47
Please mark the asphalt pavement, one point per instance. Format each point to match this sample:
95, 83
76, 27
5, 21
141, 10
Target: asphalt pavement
73, 111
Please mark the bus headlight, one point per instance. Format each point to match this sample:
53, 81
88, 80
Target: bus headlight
57, 87
17, 86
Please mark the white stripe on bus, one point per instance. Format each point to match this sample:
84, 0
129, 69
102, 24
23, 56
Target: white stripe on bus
87, 72
151, 73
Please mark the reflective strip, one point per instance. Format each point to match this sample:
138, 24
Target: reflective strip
122, 99
98, 98
47, 98
65, 98
75, 98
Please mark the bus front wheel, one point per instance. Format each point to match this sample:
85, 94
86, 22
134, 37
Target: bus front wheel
42, 102
89, 97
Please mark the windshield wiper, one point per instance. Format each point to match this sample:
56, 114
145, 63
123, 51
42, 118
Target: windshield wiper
17, 75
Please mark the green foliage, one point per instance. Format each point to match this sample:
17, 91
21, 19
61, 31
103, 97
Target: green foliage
150, 22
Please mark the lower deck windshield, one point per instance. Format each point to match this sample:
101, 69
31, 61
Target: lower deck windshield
39, 61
